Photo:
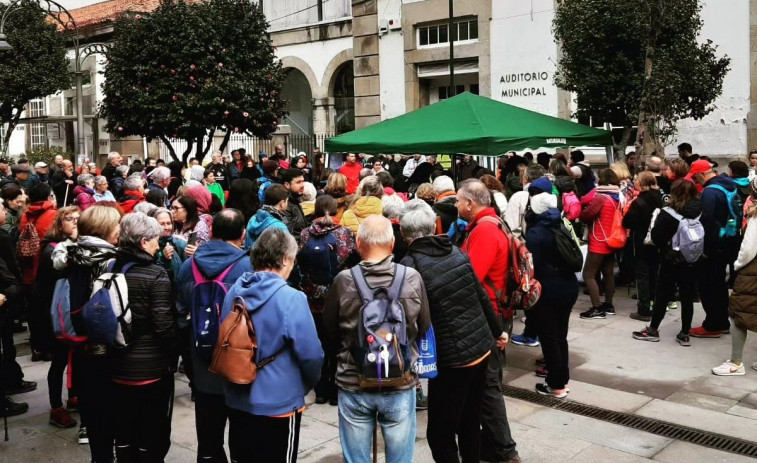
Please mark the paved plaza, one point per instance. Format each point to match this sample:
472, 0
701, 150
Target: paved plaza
608, 368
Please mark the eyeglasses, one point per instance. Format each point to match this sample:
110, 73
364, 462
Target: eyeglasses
177, 208
71, 219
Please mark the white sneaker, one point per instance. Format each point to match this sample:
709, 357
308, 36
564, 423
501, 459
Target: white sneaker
729, 369
672, 305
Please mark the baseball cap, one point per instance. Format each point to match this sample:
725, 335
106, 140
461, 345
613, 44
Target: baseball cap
40, 165
19, 168
697, 167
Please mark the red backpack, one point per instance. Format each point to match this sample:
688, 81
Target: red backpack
522, 291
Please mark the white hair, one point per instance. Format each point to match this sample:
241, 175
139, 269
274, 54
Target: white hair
476, 192
145, 208
133, 183
376, 230
418, 220
160, 173
136, 226
113, 155
443, 183
392, 206
309, 192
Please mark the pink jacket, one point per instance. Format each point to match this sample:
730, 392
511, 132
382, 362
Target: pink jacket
85, 197
598, 214
571, 206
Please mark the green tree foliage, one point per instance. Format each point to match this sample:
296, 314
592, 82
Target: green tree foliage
638, 62
187, 70
37, 65
47, 155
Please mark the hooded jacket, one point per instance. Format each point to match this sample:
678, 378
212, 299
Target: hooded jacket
599, 212
446, 209
265, 217
130, 199
463, 319
212, 258
714, 201
152, 352
742, 306
341, 315
281, 318
84, 197
558, 285
41, 214
359, 211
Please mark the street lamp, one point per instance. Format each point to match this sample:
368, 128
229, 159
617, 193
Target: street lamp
61, 15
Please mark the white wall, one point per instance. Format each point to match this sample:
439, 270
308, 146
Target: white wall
391, 61
523, 55
724, 131
317, 55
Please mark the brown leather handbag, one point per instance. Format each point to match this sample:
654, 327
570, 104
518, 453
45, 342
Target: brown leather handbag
237, 347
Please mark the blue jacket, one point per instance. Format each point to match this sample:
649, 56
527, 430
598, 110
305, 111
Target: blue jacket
714, 204
258, 224
558, 286
212, 259
281, 317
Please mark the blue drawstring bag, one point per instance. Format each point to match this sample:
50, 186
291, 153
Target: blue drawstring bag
426, 364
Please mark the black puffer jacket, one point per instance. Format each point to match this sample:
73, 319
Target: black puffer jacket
152, 350
462, 316
639, 216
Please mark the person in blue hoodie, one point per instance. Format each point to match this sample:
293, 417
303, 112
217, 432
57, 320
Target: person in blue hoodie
275, 202
559, 293
223, 253
264, 417
713, 289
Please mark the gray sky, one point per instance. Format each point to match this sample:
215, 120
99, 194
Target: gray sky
71, 4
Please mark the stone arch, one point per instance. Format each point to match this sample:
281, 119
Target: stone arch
330, 74
293, 62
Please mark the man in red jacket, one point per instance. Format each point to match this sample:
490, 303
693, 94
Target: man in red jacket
134, 193
351, 169
487, 247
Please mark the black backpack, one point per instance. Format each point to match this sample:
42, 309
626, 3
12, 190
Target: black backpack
570, 258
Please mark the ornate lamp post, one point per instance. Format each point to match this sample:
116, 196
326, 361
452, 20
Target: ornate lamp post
61, 15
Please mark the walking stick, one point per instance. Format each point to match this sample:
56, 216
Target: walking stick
65, 197
375, 441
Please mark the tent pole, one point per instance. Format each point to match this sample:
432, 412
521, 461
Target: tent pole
451, 37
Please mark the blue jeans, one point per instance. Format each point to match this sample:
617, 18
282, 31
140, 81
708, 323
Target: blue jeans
395, 413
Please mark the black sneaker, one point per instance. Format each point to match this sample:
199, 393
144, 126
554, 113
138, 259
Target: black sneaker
593, 313
647, 334
421, 400
609, 309
83, 438
11, 408
544, 389
320, 400
683, 339
21, 388
641, 317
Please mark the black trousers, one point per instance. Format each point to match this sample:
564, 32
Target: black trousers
326, 386
646, 267
143, 421
454, 409
497, 442
531, 330
713, 291
12, 374
254, 438
96, 405
671, 276
553, 335
211, 415
55, 376
41, 335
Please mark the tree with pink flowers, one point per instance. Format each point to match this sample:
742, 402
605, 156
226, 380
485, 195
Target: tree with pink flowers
191, 70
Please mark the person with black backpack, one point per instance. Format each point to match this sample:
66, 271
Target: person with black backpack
325, 249
559, 292
201, 287
372, 315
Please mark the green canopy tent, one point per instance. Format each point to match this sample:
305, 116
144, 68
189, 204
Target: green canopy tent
468, 124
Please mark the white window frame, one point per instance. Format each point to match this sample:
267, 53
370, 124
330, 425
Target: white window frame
436, 26
38, 131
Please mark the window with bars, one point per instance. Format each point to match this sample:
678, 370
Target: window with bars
37, 134
462, 30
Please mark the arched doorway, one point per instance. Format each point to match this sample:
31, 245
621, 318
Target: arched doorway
344, 99
296, 89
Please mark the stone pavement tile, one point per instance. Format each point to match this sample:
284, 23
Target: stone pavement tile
719, 386
28, 426
183, 431
678, 452
43, 449
532, 451
323, 413
325, 452
599, 396
598, 432
314, 432
599, 454
519, 409
706, 420
180, 454
555, 440
746, 412
750, 400
709, 402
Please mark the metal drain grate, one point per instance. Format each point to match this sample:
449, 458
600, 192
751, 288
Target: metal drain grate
650, 425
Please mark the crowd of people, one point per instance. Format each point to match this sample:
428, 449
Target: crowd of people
314, 254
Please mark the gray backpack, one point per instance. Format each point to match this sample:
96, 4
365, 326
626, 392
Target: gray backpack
689, 238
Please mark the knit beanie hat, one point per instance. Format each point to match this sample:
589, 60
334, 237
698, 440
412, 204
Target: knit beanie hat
542, 184
543, 201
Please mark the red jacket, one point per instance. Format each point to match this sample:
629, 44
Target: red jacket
41, 215
352, 172
488, 250
598, 214
131, 199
